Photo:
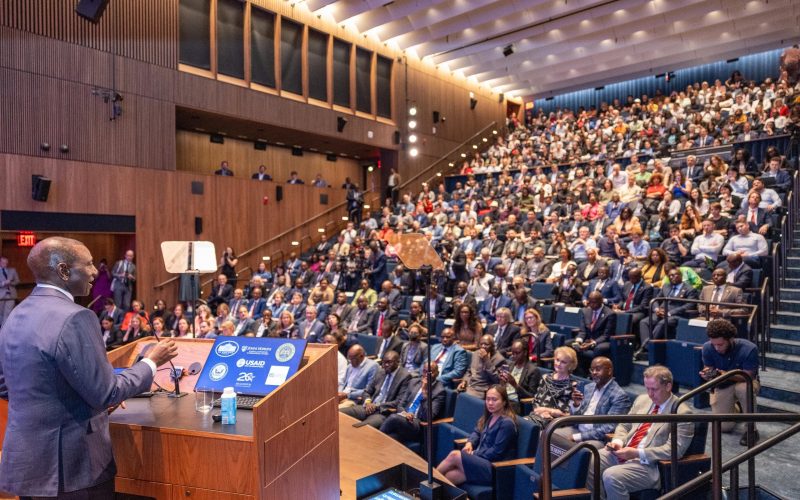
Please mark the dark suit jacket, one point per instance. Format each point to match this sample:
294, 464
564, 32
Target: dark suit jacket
397, 388
395, 344
458, 263
528, 380
315, 334
503, 344
437, 400
744, 275
486, 307
762, 217
394, 298
592, 274
495, 248
641, 298
114, 338
117, 316
390, 316
679, 308
257, 307
442, 307
343, 312
364, 324
221, 294
248, 326
59, 384
604, 327
542, 345
267, 177
419, 357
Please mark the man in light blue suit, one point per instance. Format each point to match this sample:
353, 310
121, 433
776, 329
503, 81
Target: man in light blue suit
451, 359
59, 383
360, 372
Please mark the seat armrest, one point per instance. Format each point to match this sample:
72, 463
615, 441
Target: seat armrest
624, 336
526, 400
688, 459
658, 341
570, 493
447, 420
516, 461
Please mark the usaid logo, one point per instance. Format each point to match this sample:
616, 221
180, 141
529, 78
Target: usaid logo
285, 352
249, 363
218, 372
227, 348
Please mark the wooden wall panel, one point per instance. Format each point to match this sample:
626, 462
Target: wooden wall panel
146, 30
196, 153
232, 209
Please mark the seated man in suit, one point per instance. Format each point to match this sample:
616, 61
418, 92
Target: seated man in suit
608, 288
267, 327
601, 396
257, 305
630, 462
221, 292
484, 371
341, 308
361, 317
404, 426
392, 294
493, 303
503, 331
415, 351
244, 323
667, 313
358, 376
383, 313
737, 272
636, 296
383, 393
311, 328
110, 310
598, 325
451, 359
434, 305
522, 377
391, 340
538, 268
717, 292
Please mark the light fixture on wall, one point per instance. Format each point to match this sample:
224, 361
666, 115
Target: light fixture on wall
508, 50
341, 121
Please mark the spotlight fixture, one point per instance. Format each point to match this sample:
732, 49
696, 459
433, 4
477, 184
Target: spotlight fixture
341, 121
64, 148
412, 124
413, 152
508, 50
412, 111
412, 138
45, 146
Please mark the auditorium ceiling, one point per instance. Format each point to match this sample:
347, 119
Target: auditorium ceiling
547, 47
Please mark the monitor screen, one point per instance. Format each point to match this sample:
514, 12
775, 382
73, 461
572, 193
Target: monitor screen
251, 365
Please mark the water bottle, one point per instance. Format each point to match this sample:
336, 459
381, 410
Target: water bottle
228, 406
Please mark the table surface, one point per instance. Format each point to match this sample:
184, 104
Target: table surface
164, 413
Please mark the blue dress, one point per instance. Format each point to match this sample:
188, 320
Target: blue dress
495, 443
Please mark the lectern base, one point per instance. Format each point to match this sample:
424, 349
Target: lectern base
405, 478
430, 491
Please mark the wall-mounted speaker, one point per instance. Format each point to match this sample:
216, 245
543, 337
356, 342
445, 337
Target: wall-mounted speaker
260, 145
198, 187
198, 225
397, 137
278, 193
330, 157
91, 9
217, 138
323, 199
436, 117
40, 187
501, 97
297, 151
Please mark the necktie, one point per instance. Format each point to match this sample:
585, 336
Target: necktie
675, 290
499, 334
415, 405
641, 432
380, 323
753, 217
494, 303
595, 317
5, 274
440, 357
599, 285
630, 298
384, 389
717, 295
384, 345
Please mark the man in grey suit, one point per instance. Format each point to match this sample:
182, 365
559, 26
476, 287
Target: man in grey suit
629, 463
8, 289
360, 372
59, 383
123, 275
383, 394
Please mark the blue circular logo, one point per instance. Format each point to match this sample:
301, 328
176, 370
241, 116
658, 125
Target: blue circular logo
285, 352
227, 348
218, 372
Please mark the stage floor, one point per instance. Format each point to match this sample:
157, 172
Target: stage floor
364, 451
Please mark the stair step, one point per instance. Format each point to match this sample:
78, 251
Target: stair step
792, 272
788, 362
779, 385
788, 317
789, 293
788, 304
785, 346
784, 331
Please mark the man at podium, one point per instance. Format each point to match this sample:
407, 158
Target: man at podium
59, 383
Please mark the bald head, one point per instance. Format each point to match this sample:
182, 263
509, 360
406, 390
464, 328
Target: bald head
64, 263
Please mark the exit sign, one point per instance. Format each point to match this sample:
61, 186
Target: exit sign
26, 239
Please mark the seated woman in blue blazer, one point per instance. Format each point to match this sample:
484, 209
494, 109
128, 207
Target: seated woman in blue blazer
494, 439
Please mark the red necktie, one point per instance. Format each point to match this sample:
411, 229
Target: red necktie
440, 356
641, 432
753, 217
380, 324
595, 317
630, 299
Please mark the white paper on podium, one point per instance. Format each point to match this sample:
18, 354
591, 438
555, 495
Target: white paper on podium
189, 256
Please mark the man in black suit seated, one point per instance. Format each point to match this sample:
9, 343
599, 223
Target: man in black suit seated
383, 394
503, 331
462, 296
392, 295
636, 296
110, 310
740, 274
112, 337
404, 426
224, 170
341, 308
383, 314
612, 294
391, 340
598, 325
434, 305
221, 292
262, 174
667, 312
493, 303
361, 317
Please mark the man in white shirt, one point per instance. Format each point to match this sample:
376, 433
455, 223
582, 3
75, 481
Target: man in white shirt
749, 245
706, 245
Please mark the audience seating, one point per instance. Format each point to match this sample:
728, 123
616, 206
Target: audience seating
468, 409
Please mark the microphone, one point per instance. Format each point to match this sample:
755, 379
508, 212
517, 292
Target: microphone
176, 376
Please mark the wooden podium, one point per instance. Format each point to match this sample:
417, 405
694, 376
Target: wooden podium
286, 447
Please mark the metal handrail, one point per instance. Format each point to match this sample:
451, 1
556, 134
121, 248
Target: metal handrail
751, 465
716, 419
750, 317
595, 462
444, 157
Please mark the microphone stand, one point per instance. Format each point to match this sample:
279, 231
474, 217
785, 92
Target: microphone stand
175, 376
